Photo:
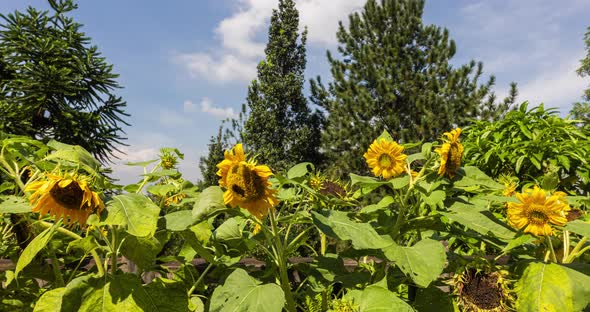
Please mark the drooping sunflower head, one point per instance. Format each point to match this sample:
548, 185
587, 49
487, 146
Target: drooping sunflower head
450, 153
510, 184
167, 159
536, 211
385, 158
246, 183
174, 199
482, 288
65, 195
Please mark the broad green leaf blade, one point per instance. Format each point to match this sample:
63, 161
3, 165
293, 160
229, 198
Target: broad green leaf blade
300, 170
432, 299
479, 220
210, 202
579, 227
519, 241
179, 220
50, 301
337, 224
377, 299
166, 295
14, 204
75, 154
470, 177
161, 189
423, 262
36, 245
134, 211
552, 287
141, 250
86, 244
381, 205
240, 292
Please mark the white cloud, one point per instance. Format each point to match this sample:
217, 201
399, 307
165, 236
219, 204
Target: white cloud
226, 68
559, 87
241, 51
189, 107
208, 107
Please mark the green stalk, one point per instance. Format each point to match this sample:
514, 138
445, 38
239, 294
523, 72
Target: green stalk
550, 245
146, 179
114, 250
281, 262
73, 235
201, 277
59, 279
576, 251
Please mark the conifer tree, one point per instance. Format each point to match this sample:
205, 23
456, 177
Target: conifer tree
208, 164
581, 110
280, 128
394, 74
54, 84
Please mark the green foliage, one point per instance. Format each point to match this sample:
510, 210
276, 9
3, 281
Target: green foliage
208, 164
240, 292
280, 129
584, 69
394, 74
552, 287
55, 85
533, 145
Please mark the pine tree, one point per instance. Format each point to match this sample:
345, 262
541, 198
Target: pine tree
394, 74
54, 85
581, 110
208, 164
280, 128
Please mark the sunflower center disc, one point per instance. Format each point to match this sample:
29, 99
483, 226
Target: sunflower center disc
482, 290
245, 183
538, 217
69, 197
385, 161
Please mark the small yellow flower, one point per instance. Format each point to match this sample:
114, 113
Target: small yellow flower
246, 183
536, 211
450, 153
65, 195
385, 158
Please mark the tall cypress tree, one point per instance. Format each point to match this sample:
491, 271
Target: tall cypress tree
280, 127
394, 74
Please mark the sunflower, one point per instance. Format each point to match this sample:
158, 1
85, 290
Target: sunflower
66, 196
174, 199
385, 158
450, 153
536, 211
482, 287
246, 183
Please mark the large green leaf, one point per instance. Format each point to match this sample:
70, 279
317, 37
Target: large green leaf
478, 219
423, 262
75, 154
377, 299
210, 202
179, 220
36, 245
134, 211
552, 287
240, 292
123, 292
337, 224
471, 178
579, 227
141, 250
365, 184
14, 204
50, 301
299, 170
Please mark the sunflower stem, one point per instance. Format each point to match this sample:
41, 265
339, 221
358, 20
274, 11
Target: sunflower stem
114, 250
281, 262
75, 236
201, 277
576, 251
146, 179
551, 250
566, 245
59, 279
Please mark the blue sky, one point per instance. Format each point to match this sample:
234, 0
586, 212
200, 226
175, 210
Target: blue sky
185, 65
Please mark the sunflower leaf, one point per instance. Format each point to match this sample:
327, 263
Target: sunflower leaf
34, 247
240, 292
422, 262
134, 211
552, 287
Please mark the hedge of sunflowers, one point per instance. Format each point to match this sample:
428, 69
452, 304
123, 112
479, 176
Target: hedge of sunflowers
465, 223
